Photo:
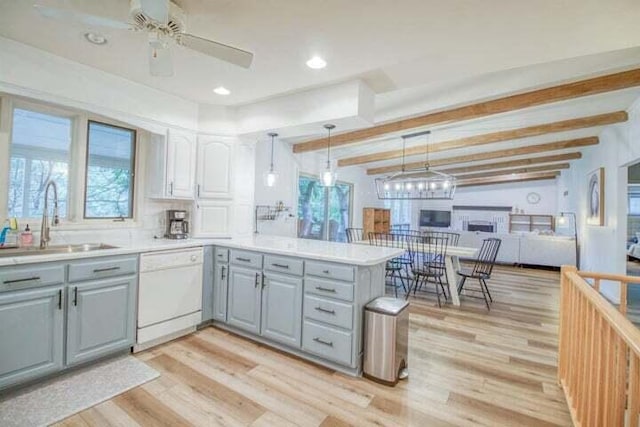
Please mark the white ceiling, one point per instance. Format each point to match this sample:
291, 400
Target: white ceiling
391, 45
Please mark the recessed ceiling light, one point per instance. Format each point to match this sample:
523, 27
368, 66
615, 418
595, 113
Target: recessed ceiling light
316, 63
95, 38
221, 90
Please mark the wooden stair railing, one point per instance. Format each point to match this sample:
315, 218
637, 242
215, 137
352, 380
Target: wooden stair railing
598, 352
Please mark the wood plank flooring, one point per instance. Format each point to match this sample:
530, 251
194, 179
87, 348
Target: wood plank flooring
467, 367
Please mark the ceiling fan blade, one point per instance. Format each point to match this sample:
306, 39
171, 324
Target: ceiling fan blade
158, 10
84, 18
160, 63
221, 51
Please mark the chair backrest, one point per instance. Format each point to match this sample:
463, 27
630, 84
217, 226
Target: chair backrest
354, 234
452, 237
390, 240
487, 257
429, 252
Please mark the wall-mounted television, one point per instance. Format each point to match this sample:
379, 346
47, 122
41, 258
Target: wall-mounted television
433, 218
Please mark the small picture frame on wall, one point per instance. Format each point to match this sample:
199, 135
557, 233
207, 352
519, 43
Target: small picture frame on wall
595, 197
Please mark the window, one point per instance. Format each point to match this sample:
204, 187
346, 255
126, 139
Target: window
316, 204
634, 199
109, 175
400, 211
40, 145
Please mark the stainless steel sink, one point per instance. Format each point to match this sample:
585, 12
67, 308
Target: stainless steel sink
53, 249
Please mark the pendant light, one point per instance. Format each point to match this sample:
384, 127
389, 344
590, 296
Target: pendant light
416, 184
271, 177
328, 176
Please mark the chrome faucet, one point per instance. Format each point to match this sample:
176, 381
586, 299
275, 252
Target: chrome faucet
44, 228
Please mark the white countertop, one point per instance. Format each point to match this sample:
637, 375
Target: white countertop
303, 248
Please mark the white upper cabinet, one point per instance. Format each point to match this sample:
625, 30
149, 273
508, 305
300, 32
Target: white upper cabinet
181, 162
214, 174
171, 165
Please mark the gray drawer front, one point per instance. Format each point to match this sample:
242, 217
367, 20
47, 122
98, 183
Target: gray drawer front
101, 268
328, 288
247, 259
327, 342
30, 276
222, 255
327, 311
333, 271
284, 265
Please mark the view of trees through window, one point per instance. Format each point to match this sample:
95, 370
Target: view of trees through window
39, 152
319, 206
110, 165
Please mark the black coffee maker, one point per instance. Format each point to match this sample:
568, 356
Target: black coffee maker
177, 225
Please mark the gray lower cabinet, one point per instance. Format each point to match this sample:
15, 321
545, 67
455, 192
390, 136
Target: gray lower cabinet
100, 318
282, 308
245, 292
31, 334
208, 276
220, 288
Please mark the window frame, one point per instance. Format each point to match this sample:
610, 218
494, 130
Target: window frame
77, 160
134, 152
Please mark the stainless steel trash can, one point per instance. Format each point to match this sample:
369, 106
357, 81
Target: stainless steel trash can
386, 340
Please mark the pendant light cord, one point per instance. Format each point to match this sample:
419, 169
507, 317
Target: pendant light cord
426, 162
404, 144
329, 148
271, 167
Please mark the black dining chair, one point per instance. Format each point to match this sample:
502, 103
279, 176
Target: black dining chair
395, 267
453, 238
428, 254
482, 268
354, 235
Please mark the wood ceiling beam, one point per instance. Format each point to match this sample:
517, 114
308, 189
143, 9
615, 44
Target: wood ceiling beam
510, 152
513, 163
508, 179
490, 138
544, 168
562, 92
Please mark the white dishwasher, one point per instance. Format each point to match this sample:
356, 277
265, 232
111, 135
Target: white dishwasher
169, 295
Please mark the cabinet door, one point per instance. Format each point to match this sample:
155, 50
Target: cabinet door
31, 328
212, 219
181, 154
100, 318
220, 287
214, 169
282, 309
243, 309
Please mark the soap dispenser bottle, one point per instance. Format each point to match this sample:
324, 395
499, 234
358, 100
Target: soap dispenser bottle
26, 238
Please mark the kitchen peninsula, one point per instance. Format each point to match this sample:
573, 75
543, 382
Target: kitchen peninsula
302, 296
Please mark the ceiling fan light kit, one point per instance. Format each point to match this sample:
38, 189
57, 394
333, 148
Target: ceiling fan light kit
416, 184
164, 22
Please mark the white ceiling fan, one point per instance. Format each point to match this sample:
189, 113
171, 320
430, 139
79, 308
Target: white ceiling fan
164, 22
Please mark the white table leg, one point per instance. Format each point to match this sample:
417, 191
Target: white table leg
451, 263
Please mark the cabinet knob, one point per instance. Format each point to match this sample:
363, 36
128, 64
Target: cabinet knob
194, 258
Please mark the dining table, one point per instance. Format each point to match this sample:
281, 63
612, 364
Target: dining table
451, 263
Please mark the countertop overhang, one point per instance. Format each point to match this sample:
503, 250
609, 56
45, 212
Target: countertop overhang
344, 253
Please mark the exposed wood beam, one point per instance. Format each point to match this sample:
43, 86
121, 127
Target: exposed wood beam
513, 163
510, 152
508, 179
544, 168
489, 138
562, 92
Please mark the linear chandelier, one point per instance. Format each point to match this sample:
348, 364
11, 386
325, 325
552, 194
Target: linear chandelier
416, 184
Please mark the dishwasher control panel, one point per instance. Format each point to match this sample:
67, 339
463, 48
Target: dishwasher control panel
161, 260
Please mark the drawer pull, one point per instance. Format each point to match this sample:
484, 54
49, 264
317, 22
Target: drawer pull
326, 271
321, 341
28, 279
243, 259
220, 255
324, 310
102, 270
320, 288
280, 265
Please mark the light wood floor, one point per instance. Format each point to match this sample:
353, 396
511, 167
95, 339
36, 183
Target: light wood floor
467, 367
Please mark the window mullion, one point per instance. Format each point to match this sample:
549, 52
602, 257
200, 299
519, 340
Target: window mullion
26, 191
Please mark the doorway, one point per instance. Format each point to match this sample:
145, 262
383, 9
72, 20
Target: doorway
324, 213
633, 240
